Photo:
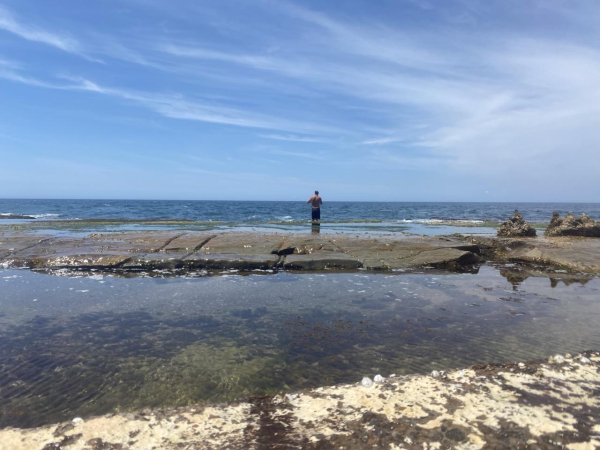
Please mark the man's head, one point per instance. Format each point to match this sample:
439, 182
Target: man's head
316, 192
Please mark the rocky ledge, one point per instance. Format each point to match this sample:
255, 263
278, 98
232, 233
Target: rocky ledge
545, 404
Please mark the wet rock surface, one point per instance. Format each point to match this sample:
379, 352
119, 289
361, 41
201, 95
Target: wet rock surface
235, 250
582, 226
535, 404
131, 252
516, 227
570, 254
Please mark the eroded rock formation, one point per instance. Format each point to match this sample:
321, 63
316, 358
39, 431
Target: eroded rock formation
573, 226
516, 227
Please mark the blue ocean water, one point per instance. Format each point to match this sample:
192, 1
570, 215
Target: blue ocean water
257, 212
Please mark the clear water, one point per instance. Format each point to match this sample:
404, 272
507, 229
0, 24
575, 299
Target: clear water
80, 346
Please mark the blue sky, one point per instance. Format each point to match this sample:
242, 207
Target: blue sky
408, 100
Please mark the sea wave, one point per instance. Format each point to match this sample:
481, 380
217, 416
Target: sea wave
44, 216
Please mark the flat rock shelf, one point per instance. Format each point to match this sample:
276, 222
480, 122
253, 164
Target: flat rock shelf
244, 251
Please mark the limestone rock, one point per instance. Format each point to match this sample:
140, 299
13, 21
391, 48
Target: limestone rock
556, 359
516, 227
573, 226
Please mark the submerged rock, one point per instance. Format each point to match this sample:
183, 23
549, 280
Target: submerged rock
573, 226
516, 227
15, 216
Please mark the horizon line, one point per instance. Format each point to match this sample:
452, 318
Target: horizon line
292, 201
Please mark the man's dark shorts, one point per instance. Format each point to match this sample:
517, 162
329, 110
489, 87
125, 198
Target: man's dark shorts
316, 214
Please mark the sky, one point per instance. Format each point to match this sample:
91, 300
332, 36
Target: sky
391, 100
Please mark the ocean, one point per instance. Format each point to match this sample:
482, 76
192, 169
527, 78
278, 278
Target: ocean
257, 212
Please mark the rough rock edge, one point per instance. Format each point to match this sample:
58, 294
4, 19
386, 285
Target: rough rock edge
516, 227
541, 404
582, 226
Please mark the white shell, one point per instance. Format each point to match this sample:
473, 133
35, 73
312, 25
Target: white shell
557, 359
584, 360
378, 379
366, 382
521, 365
77, 420
435, 374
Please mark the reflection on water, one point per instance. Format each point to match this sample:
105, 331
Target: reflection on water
78, 346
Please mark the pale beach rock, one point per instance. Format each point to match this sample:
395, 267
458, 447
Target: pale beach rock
366, 382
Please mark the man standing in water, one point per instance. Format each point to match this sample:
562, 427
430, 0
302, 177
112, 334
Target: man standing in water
316, 203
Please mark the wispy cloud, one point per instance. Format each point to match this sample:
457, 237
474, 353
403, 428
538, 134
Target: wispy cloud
382, 141
313, 156
35, 34
178, 107
293, 138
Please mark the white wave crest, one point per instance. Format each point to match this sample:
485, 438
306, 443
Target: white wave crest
44, 216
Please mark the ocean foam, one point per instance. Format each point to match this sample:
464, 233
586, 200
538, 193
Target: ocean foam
44, 216
439, 221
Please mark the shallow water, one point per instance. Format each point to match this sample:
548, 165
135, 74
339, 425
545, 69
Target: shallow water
80, 346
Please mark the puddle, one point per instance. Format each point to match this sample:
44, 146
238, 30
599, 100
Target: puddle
82, 346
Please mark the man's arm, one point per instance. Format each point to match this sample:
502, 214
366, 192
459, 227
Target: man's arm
310, 199
320, 201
